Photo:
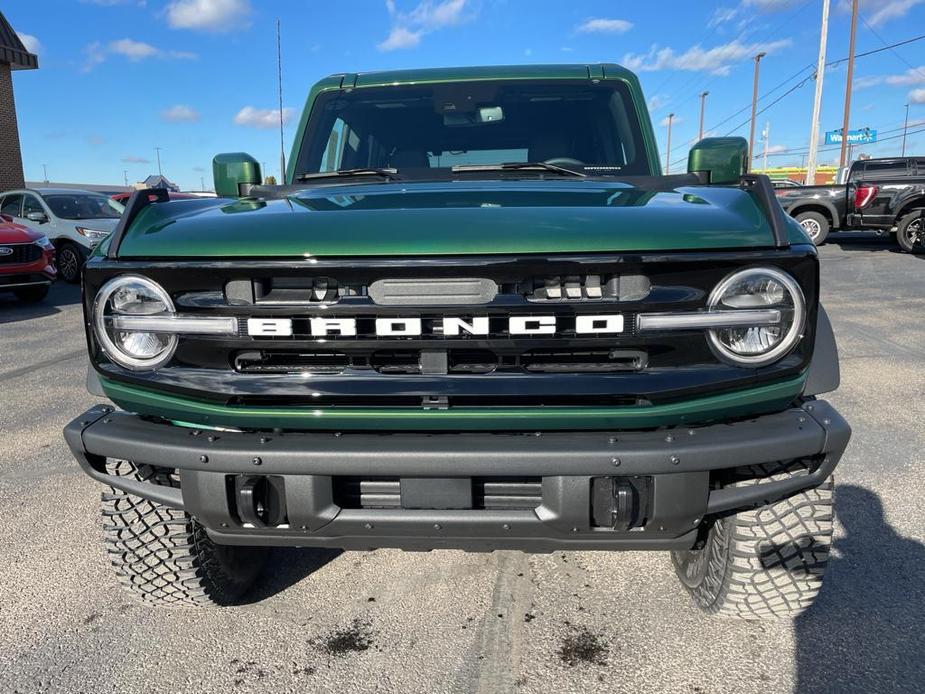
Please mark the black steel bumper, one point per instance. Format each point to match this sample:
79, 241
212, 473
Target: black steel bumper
676, 473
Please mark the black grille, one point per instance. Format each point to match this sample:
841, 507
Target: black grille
21, 253
488, 493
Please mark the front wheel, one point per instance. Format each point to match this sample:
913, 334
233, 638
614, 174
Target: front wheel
70, 260
910, 232
816, 225
764, 563
164, 556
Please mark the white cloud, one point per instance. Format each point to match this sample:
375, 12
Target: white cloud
879, 12
398, 38
180, 114
746, 11
94, 54
658, 101
773, 149
912, 76
600, 25
209, 15
262, 118
133, 159
917, 96
717, 60
408, 28
866, 82
32, 44
134, 51
96, 140
674, 121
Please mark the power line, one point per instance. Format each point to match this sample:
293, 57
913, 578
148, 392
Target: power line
891, 49
793, 89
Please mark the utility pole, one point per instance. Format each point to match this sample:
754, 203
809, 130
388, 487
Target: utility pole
844, 135
158, 152
703, 98
767, 138
751, 135
45, 168
905, 127
817, 98
202, 183
279, 71
125, 176
668, 153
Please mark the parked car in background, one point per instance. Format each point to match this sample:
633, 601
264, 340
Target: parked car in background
885, 194
889, 194
818, 209
27, 261
785, 183
74, 220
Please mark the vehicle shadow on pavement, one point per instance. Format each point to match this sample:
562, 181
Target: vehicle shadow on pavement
866, 632
61, 294
287, 566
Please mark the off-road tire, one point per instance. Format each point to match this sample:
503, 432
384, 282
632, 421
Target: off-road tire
32, 295
765, 563
910, 232
816, 225
163, 555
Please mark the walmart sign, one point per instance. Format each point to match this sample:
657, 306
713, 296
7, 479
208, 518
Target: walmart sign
855, 137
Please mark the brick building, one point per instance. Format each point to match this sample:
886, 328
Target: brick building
13, 56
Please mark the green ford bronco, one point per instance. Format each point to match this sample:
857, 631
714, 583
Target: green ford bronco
475, 315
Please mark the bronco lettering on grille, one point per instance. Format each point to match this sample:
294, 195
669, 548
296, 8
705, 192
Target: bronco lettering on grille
449, 326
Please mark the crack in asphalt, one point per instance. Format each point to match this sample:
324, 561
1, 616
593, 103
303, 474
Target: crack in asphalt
67, 356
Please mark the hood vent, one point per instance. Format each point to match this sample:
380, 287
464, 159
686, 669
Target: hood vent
433, 292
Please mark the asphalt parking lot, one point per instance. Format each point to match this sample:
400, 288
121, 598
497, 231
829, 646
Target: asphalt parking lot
447, 621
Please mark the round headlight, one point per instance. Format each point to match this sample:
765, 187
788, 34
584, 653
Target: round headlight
758, 288
130, 295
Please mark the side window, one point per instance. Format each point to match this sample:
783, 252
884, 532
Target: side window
31, 203
920, 167
12, 205
877, 170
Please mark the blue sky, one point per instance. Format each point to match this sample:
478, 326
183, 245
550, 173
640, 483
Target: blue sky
198, 77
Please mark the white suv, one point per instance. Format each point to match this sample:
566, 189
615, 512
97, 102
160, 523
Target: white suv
74, 220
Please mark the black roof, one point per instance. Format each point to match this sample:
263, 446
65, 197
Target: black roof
12, 50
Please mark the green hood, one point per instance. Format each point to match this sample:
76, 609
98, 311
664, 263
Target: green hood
451, 218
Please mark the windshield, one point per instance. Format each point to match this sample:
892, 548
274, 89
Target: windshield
425, 131
83, 206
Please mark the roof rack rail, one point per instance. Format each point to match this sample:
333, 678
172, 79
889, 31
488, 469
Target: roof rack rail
760, 186
140, 199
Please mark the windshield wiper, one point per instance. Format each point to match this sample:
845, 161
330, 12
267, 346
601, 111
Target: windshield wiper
518, 166
390, 174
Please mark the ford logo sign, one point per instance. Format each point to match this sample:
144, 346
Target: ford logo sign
4, 250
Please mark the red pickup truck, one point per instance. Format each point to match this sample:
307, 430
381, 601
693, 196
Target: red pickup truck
27, 261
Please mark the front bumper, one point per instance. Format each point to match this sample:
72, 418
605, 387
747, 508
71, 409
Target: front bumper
676, 473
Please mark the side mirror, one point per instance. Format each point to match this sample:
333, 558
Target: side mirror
235, 173
39, 217
722, 160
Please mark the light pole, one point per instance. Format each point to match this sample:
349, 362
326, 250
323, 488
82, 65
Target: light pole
905, 127
703, 98
767, 140
125, 176
668, 153
844, 137
45, 168
751, 135
202, 183
810, 178
157, 151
